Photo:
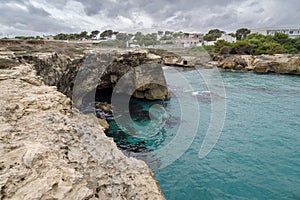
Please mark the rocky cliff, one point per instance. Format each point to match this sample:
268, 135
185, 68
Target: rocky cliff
48, 149
282, 63
102, 70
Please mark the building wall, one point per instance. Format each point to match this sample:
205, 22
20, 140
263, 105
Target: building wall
192, 40
292, 32
227, 38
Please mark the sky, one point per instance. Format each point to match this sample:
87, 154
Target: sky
46, 17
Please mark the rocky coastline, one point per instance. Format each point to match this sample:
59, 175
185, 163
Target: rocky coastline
278, 63
50, 150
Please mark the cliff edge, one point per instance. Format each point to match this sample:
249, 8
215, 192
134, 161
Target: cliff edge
49, 150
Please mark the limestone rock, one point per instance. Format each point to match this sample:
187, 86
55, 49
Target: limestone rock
172, 59
97, 70
136, 71
48, 150
281, 63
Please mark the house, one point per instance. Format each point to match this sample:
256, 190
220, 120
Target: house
190, 40
209, 43
96, 37
112, 37
227, 38
48, 37
292, 32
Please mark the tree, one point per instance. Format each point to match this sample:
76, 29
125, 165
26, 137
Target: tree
106, 34
138, 36
122, 36
94, 33
83, 35
178, 34
160, 33
281, 38
232, 35
242, 33
223, 47
213, 35
242, 47
168, 33
296, 43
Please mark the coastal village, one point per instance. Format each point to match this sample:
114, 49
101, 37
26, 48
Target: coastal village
162, 39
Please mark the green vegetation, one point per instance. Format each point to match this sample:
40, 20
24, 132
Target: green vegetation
242, 33
147, 39
246, 43
258, 44
113, 43
25, 37
213, 34
77, 36
107, 33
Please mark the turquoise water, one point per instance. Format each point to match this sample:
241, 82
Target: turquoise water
257, 155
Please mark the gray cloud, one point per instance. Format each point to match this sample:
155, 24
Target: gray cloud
42, 17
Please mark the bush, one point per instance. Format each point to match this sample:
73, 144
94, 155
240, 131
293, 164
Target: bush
113, 43
223, 47
260, 44
242, 47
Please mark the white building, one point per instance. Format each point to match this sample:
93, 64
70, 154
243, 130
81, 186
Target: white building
191, 40
227, 38
292, 32
209, 43
48, 37
112, 37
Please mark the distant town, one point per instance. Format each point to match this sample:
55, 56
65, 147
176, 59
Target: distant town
242, 41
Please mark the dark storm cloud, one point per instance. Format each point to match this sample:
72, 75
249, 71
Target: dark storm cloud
194, 15
28, 18
92, 7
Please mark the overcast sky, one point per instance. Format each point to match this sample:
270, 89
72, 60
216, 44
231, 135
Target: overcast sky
39, 17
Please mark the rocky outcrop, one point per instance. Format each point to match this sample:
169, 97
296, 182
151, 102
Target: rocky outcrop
48, 150
171, 59
141, 73
102, 70
56, 69
281, 63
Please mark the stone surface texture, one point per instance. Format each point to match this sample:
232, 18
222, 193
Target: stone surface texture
49, 150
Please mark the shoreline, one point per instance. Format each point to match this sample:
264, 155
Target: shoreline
263, 64
50, 149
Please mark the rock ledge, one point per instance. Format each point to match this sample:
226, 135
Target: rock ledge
48, 150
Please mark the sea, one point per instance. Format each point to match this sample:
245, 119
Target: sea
222, 135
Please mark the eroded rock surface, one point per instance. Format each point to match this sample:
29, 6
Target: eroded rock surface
282, 63
102, 70
48, 150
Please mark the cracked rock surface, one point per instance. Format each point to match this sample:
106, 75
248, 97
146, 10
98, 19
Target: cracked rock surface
48, 150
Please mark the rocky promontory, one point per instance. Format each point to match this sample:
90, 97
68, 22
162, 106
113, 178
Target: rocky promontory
279, 63
48, 149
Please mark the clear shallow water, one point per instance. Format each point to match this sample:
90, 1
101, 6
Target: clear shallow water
258, 153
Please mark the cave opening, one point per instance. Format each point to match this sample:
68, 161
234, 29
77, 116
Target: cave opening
103, 95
